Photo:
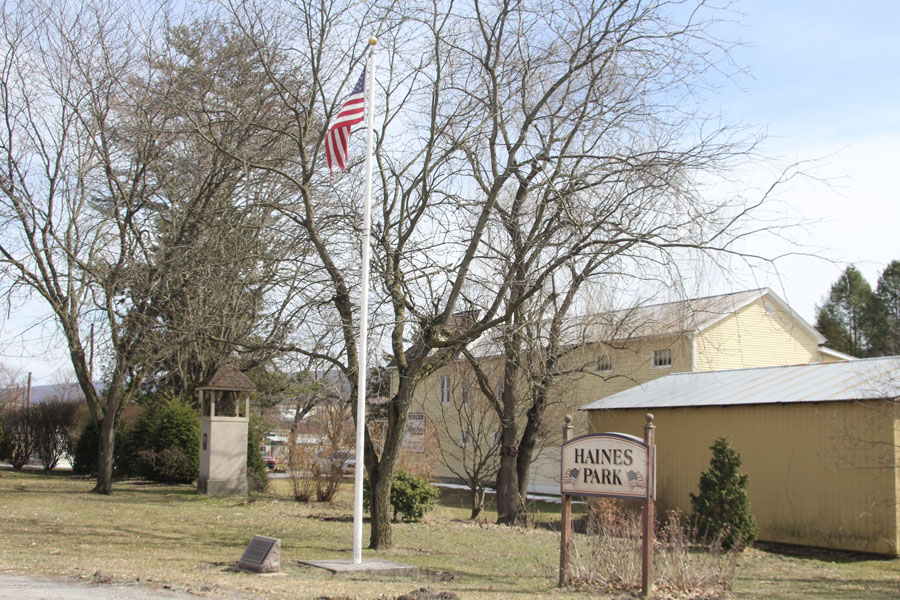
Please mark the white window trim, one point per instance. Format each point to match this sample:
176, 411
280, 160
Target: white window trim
463, 438
663, 353
603, 367
444, 390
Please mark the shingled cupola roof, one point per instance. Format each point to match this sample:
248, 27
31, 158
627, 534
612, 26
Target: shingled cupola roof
227, 378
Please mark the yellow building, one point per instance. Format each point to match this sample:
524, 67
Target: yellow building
819, 442
614, 351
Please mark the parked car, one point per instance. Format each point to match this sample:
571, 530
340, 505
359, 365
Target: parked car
327, 462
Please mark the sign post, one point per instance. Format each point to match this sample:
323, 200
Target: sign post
566, 520
615, 465
647, 516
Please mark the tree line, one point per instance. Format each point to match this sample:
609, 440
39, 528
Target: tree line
858, 320
163, 184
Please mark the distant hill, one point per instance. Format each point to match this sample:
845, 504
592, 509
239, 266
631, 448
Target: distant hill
43, 393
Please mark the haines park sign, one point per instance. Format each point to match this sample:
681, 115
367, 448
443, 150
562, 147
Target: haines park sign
606, 464
609, 464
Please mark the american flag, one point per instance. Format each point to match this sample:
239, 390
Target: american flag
350, 114
571, 477
635, 479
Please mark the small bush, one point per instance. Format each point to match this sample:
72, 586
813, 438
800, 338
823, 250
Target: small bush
411, 496
86, 445
19, 423
6, 445
170, 465
84, 459
51, 423
608, 558
171, 451
722, 508
300, 468
257, 474
161, 443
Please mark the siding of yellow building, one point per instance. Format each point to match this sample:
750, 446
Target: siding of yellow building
631, 365
821, 474
749, 337
758, 335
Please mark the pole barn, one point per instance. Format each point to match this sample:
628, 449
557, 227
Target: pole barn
820, 443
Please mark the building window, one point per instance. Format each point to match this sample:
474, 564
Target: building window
496, 438
661, 359
463, 392
463, 439
444, 389
604, 363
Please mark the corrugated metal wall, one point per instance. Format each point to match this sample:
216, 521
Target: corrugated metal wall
821, 474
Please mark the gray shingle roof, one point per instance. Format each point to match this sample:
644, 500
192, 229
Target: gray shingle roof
228, 378
669, 318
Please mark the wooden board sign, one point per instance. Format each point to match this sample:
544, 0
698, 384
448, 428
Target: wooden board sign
606, 464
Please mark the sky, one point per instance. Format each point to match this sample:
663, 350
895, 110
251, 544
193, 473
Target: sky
823, 82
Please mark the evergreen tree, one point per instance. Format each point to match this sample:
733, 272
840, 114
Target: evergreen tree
722, 508
884, 313
257, 474
5, 441
843, 318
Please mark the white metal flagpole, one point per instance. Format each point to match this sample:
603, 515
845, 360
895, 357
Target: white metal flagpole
364, 317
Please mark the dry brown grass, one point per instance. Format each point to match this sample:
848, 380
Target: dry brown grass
168, 535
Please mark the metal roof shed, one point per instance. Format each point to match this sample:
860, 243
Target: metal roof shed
820, 443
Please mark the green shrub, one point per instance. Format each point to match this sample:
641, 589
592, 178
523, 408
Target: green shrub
167, 439
6, 445
257, 474
411, 496
84, 459
722, 508
86, 447
169, 465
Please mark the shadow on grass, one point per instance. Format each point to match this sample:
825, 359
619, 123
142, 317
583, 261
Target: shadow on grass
825, 589
820, 554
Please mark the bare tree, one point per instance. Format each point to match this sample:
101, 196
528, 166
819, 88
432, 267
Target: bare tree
111, 214
514, 141
17, 418
469, 438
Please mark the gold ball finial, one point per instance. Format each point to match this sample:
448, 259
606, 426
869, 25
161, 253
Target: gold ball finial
373, 40
649, 418
568, 419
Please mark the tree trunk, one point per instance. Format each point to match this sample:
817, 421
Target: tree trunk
106, 443
380, 508
510, 507
523, 467
477, 502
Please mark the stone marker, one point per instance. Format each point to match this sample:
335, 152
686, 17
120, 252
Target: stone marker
263, 555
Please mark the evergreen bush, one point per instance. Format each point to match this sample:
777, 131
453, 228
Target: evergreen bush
6, 445
167, 436
411, 496
722, 508
84, 459
257, 473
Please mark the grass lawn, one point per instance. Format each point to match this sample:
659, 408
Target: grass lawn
169, 535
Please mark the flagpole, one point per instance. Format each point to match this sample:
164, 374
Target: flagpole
364, 318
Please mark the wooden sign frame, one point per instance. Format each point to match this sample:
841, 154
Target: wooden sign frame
648, 498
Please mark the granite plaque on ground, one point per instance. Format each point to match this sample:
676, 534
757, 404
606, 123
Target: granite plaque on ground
263, 555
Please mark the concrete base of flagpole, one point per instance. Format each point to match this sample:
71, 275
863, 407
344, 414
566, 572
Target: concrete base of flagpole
371, 565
